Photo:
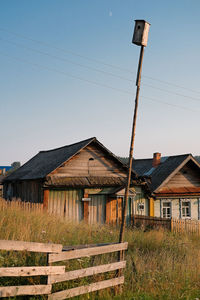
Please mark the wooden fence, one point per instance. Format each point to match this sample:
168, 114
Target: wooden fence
58, 253
185, 226
147, 222
174, 225
18, 204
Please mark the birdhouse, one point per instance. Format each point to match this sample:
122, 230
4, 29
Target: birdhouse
140, 35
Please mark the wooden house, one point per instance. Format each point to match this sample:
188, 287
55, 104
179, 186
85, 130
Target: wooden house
175, 185
82, 181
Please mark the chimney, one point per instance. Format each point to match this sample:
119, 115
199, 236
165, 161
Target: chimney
156, 159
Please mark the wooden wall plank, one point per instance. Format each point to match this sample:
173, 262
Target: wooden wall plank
46, 199
86, 209
108, 211
86, 272
86, 252
81, 165
30, 246
86, 289
31, 271
11, 291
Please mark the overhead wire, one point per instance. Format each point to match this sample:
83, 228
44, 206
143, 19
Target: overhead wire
171, 84
93, 69
170, 104
96, 60
65, 60
91, 81
65, 50
64, 73
170, 92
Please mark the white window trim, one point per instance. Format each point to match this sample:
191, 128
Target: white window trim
168, 201
138, 206
190, 210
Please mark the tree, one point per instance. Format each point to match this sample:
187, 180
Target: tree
15, 165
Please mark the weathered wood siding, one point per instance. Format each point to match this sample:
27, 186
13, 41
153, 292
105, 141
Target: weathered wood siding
28, 191
114, 210
114, 207
90, 162
186, 177
66, 203
97, 209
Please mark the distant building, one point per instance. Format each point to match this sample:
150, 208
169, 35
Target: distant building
4, 169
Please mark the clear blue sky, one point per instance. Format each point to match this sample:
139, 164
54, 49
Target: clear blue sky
43, 103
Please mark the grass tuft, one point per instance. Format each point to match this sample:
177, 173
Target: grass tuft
160, 265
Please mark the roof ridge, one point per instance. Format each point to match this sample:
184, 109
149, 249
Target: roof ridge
92, 138
168, 156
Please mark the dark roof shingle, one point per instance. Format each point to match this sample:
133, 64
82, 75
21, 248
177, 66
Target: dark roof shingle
46, 161
143, 167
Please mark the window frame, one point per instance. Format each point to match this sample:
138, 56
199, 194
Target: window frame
162, 208
190, 213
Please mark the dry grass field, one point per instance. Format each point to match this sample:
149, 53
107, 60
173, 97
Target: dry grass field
160, 265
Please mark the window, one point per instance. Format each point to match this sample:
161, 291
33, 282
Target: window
185, 209
140, 206
166, 209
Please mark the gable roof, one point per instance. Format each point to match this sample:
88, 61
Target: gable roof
168, 166
45, 162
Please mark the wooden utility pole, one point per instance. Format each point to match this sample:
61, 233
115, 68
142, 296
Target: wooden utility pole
121, 237
140, 38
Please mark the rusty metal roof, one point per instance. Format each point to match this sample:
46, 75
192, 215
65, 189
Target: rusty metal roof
178, 191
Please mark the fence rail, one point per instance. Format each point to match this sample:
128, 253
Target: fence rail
55, 274
174, 225
186, 225
151, 222
18, 204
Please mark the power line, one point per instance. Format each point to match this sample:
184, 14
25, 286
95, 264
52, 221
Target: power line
65, 60
170, 104
92, 82
64, 73
172, 84
95, 60
93, 69
170, 92
65, 51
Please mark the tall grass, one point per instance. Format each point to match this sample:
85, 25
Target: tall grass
160, 265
